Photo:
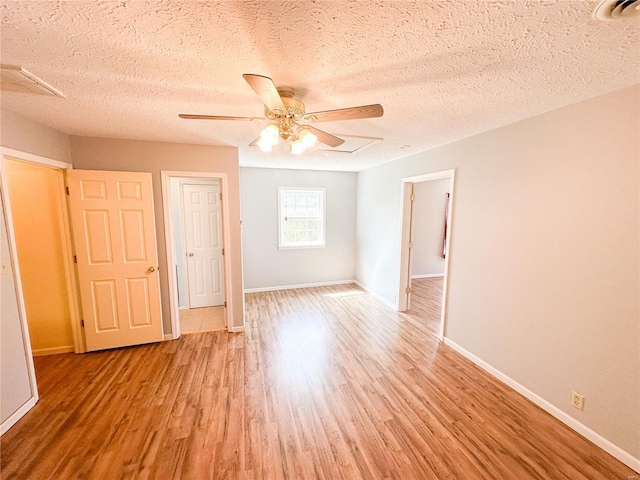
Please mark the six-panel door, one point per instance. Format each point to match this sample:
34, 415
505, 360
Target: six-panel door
115, 243
203, 232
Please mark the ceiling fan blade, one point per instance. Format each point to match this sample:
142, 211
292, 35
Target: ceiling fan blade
324, 137
366, 111
218, 117
255, 142
267, 91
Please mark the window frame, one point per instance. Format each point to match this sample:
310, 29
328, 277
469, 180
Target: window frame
322, 218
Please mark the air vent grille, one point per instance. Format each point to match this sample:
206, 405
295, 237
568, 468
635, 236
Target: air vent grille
609, 10
17, 79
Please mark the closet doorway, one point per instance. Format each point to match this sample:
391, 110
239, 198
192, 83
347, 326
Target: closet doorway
40, 225
197, 242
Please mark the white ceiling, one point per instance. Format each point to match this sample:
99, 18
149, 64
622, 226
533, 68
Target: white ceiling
442, 70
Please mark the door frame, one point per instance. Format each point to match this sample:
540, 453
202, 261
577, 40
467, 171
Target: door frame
405, 233
69, 267
169, 229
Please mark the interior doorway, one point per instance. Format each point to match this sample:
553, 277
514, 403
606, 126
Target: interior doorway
425, 247
40, 228
196, 235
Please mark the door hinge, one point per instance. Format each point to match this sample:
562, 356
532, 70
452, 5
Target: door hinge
225, 304
413, 197
75, 259
410, 245
220, 195
82, 323
407, 290
223, 251
66, 189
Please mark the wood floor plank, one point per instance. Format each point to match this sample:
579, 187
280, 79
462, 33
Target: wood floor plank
326, 383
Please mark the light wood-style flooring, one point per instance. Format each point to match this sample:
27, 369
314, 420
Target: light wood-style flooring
426, 302
326, 383
206, 319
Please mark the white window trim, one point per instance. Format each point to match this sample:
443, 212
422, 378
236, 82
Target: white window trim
323, 215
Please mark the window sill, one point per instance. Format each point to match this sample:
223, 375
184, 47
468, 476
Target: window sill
299, 247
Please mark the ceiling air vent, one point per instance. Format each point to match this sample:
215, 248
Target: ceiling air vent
17, 79
610, 10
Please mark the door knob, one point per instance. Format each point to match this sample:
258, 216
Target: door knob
191, 254
151, 269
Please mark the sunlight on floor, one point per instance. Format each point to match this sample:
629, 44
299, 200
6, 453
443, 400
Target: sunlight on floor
350, 293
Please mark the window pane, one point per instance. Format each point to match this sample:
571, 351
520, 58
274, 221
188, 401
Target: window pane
304, 217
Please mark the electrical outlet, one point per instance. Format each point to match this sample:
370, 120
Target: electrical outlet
577, 400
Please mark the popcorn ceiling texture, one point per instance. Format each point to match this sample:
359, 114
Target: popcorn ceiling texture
442, 70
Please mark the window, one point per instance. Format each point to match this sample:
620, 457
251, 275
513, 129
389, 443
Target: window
301, 221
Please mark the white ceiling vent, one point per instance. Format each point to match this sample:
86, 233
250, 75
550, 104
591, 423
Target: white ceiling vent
609, 10
17, 79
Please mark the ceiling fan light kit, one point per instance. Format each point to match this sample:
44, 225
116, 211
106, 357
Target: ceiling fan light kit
285, 112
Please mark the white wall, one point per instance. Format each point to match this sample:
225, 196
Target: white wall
15, 387
544, 267
427, 228
264, 264
178, 242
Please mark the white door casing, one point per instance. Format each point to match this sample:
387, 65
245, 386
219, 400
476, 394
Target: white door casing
204, 245
113, 224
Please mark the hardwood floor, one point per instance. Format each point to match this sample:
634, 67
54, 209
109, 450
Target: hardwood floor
426, 302
326, 383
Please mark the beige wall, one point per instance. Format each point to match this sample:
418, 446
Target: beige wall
544, 267
139, 156
21, 133
37, 210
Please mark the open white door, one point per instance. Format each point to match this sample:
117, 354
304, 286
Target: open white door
203, 232
115, 244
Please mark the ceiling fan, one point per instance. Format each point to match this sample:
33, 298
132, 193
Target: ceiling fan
285, 114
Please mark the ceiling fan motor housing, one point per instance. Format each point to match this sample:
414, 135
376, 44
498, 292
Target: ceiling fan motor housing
295, 108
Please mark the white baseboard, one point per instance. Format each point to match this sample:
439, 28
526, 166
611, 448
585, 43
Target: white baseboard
41, 352
302, 285
168, 336
565, 418
428, 275
236, 329
17, 415
183, 308
377, 295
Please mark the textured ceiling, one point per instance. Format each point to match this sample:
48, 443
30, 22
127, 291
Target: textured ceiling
442, 70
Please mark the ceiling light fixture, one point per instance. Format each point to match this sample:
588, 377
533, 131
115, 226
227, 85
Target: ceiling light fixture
301, 138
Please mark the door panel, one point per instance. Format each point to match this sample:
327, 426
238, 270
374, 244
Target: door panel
115, 241
203, 232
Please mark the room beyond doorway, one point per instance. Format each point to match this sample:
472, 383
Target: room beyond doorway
198, 272
435, 235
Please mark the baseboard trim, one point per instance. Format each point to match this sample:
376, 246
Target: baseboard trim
17, 415
236, 329
168, 336
428, 275
41, 352
377, 295
183, 308
302, 285
568, 420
